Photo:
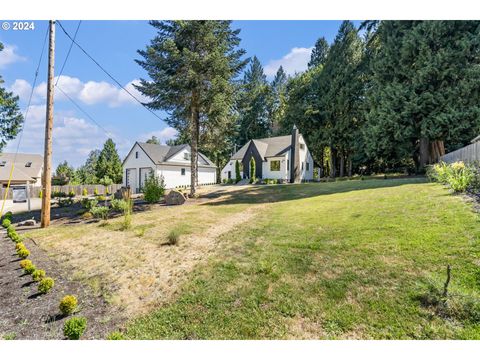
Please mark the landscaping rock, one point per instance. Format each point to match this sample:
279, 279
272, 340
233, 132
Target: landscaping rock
30, 222
175, 197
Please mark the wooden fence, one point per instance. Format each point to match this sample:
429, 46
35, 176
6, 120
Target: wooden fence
469, 153
77, 189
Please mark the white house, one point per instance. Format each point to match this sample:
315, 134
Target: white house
286, 158
171, 162
27, 169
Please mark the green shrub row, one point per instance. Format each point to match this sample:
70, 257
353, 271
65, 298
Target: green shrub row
460, 177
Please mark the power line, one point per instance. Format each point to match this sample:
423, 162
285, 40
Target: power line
106, 72
83, 111
68, 52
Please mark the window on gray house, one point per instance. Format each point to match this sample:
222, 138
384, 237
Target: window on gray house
275, 165
183, 171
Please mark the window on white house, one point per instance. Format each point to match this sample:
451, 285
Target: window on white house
28, 164
183, 171
308, 166
302, 165
3, 163
186, 156
275, 165
288, 165
136, 154
302, 146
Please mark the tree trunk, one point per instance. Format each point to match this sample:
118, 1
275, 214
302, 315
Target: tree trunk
333, 162
350, 165
437, 149
218, 170
424, 153
195, 126
342, 165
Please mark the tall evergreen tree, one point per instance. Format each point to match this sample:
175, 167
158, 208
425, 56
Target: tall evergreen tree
87, 173
192, 66
425, 89
11, 119
109, 164
153, 140
277, 101
253, 120
319, 53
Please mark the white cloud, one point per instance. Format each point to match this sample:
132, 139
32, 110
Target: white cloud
294, 62
22, 88
91, 92
9, 56
162, 135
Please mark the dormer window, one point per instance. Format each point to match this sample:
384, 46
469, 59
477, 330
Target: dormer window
28, 164
3, 163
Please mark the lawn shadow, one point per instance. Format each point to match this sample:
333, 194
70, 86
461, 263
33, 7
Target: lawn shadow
34, 296
257, 194
56, 317
27, 284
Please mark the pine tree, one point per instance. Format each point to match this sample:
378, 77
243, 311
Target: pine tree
277, 101
253, 121
153, 140
87, 173
192, 66
109, 164
319, 53
11, 119
425, 89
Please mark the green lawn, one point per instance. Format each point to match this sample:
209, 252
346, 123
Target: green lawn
333, 260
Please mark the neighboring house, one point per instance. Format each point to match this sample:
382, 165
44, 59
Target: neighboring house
27, 169
286, 158
171, 162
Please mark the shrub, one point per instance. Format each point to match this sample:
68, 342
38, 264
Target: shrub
45, 285
85, 192
224, 181
15, 237
173, 237
25, 263
6, 223
127, 215
153, 188
23, 253
458, 176
89, 203
116, 335
87, 215
100, 212
68, 305
19, 246
71, 194
29, 269
8, 215
59, 194
118, 205
101, 198
95, 191
237, 171
63, 202
38, 275
11, 230
105, 181
40, 194
74, 328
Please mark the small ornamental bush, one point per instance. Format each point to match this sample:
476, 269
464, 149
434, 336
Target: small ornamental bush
45, 285
71, 193
68, 305
15, 237
19, 246
63, 202
11, 230
38, 275
6, 223
119, 205
102, 198
85, 192
40, 194
458, 176
29, 269
87, 215
74, 328
23, 253
100, 212
89, 203
25, 263
8, 215
153, 188
95, 191
116, 335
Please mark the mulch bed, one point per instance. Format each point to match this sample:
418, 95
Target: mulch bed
25, 314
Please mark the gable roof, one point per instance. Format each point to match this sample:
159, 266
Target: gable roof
267, 147
160, 154
20, 171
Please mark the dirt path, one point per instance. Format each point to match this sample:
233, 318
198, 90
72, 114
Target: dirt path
24, 314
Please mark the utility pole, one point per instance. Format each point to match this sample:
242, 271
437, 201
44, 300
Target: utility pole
47, 156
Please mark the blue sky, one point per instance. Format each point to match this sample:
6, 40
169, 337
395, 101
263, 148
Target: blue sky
114, 44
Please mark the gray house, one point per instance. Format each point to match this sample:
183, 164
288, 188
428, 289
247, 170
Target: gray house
28, 168
285, 158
